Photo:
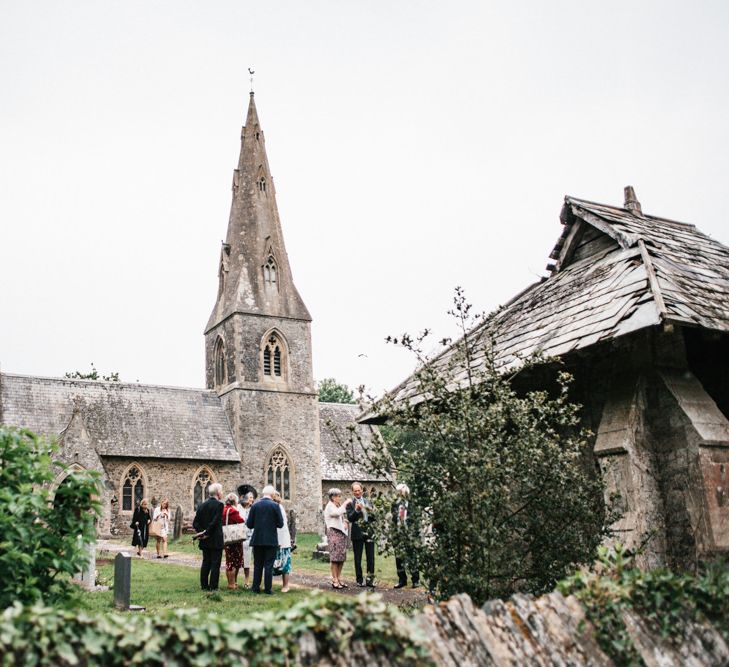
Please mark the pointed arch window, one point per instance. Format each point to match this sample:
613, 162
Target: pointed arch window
273, 358
132, 488
262, 184
220, 368
270, 272
203, 479
278, 473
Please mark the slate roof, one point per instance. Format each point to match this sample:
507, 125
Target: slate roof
333, 466
615, 271
132, 420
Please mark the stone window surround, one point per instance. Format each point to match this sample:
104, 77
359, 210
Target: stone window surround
211, 480
283, 346
145, 486
292, 470
219, 364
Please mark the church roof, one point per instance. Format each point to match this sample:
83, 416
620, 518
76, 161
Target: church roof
615, 271
131, 420
335, 420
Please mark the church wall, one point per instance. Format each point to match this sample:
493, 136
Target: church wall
164, 478
261, 420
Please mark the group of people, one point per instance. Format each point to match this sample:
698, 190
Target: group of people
268, 538
353, 519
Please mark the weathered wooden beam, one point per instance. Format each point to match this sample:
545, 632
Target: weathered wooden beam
653, 280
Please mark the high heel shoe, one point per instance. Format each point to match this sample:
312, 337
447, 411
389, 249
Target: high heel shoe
334, 585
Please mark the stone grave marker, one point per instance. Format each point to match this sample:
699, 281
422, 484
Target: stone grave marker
122, 581
177, 533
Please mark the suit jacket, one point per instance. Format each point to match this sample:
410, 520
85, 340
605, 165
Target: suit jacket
358, 528
265, 518
209, 517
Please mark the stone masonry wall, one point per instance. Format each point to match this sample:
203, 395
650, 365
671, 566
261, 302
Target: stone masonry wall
264, 419
172, 479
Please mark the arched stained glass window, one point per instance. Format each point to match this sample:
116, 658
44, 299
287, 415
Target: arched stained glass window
203, 480
278, 473
132, 489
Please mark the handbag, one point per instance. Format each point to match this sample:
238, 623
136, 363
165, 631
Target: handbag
278, 563
155, 528
234, 532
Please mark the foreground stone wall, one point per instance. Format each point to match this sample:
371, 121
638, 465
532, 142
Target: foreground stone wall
551, 630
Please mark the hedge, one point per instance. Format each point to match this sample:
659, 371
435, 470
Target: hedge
311, 630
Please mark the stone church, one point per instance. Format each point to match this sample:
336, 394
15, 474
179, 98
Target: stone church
258, 421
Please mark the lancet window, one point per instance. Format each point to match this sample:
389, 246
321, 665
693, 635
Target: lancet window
220, 368
278, 473
262, 184
203, 480
132, 489
270, 271
273, 358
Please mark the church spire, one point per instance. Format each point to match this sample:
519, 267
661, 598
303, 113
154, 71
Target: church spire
254, 272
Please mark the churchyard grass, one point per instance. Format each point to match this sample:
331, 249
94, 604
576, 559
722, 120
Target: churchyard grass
162, 586
303, 562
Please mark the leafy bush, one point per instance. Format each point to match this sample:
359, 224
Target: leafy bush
504, 497
664, 599
323, 627
42, 539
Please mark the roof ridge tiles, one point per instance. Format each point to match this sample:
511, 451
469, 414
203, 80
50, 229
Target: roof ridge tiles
106, 382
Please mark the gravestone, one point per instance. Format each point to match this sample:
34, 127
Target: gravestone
178, 523
322, 548
122, 581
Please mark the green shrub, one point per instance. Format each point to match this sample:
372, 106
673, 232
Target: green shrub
664, 599
42, 538
41, 635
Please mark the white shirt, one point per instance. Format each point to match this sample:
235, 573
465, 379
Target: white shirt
284, 538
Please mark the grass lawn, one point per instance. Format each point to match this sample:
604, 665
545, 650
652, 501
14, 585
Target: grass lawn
303, 562
166, 586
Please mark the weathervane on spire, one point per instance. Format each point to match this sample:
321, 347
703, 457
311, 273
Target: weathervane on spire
251, 72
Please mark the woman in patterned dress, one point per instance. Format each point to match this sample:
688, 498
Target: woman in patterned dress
233, 552
337, 529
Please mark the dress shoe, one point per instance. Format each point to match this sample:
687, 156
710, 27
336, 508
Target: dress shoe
361, 584
416, 584
399, 585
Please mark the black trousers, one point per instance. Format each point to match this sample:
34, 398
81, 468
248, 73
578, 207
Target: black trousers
400, 565
369, 548
210, 569
263, 557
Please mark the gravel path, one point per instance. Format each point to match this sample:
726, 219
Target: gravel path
310, 580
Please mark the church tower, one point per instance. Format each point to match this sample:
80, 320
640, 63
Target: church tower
258, 342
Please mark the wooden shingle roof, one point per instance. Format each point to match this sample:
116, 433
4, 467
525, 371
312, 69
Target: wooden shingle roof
614, 271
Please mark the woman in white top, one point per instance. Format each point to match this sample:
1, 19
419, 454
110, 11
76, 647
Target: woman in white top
282, 564
162, 515
337, 528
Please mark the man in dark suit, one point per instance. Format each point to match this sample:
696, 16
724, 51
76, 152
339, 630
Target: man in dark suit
265, 518
359, 513
208, 523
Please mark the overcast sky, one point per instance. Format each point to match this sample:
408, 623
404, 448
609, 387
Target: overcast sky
415, 146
